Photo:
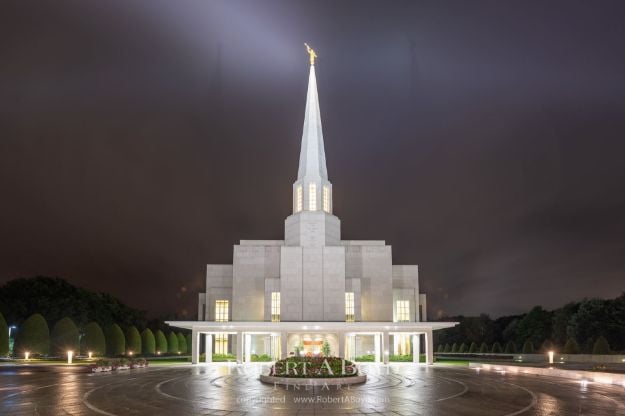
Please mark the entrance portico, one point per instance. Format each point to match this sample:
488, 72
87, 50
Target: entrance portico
280, 338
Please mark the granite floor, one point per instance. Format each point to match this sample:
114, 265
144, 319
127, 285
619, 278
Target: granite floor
233, 390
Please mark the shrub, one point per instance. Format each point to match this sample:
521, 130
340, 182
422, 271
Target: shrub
473, 348
483, 348
510, 348
115, 341
33, 336
447, 348
463, 348
454, 347
133, 340
571, 346
172, 343
601, 346
325, 348
223, 357
161, 342
528, 347
93, 340
65, 337
4, 337
401, 358
496, 348
189, 344
367, 358
260, 358
440, 348
148, 342
182, 343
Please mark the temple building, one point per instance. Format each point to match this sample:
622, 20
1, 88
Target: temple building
292, 296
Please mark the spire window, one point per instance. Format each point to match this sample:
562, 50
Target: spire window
299, 198
326, 199
312, 197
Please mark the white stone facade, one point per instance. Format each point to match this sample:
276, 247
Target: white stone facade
314, 278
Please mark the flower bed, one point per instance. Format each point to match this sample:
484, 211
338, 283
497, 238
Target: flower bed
104, 365
313, 367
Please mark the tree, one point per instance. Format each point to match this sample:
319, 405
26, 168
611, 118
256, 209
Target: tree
182, 343
483, 348
601, 346
510, 348
65, 337
325, 348
535, 326
115, 341
496, 348
454, 348
33, 336
93, 340
571, 346
148, 342
133, 340
161, 342
4, 337
528, 347
463, 348
172, 343
473, 348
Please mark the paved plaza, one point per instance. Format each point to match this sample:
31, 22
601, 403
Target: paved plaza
235, 390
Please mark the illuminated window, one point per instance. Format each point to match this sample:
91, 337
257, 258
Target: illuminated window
349, 307
326, 199
221, 311
312, 197
221, 343
403, 311
299, 198
275, 306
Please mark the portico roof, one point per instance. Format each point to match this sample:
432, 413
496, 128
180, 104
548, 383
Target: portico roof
212, 326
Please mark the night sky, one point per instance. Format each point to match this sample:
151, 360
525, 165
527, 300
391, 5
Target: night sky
140, 140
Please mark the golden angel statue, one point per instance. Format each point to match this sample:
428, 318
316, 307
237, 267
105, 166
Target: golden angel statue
311, 53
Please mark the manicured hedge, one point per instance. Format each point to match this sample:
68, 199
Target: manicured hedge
33, 336
4, 337
172, 343
115, 341
161, 342
133, 340
93, 340
64, 337
148, 342
182, 343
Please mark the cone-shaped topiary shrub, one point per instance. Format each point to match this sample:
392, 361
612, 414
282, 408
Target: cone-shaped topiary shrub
115, 341
601, 346
188, 339
161, 342
447, 348
496, 348
133, 340
172, 343
4, 337
64, 337
148, 342
571, 346
93, 340
441, 348
463, 348
473, 348
510, 348
182, 343
33, 336
528, 347
483, 348
454, 347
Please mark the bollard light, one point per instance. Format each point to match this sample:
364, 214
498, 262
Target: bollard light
70, 356
550, 357
90, 354
129, 352
158, 353
26, 355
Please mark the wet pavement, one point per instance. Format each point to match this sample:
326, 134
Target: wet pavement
232, 390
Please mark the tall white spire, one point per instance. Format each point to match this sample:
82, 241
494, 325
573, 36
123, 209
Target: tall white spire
312, 158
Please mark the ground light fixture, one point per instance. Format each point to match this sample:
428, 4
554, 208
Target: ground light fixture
26, 355
90, 354
70, 356
130, 353
550, 357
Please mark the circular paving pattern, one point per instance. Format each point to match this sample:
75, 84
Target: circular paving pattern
230, 390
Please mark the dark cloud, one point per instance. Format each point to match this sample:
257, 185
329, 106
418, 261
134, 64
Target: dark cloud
483, 140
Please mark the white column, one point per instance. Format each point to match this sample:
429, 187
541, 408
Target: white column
195, 346
341, 351
386, 344
208, 350
416, 347
377, 347
283, 345
248, 348
239, 347
429, 347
